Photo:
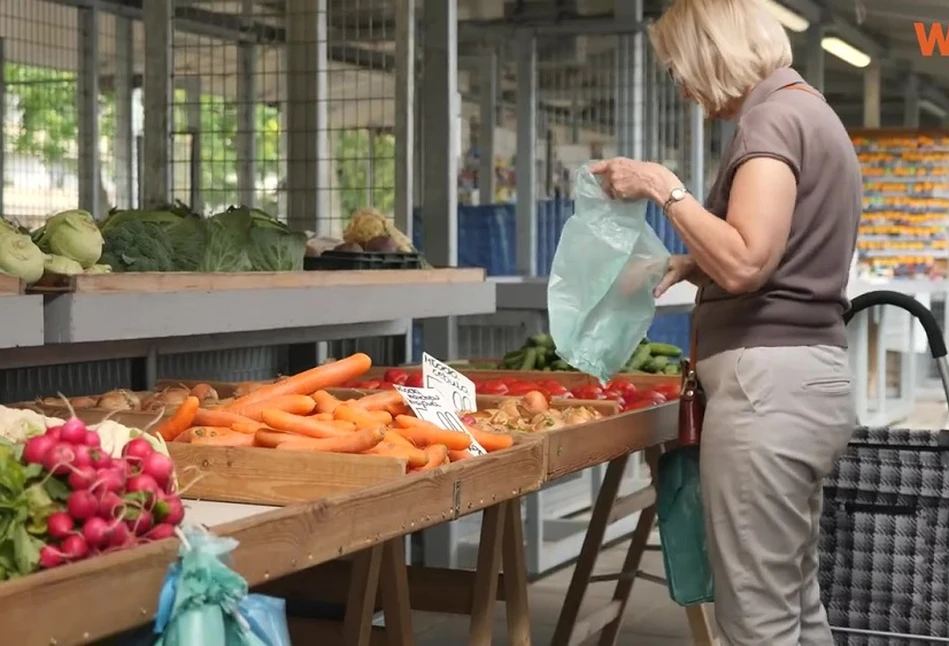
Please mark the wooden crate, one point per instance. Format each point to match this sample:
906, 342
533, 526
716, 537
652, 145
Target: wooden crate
568, 379
130, 418
271, 477
201, 282
10, 285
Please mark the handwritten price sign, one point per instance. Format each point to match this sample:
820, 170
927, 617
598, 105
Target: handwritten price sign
457, 388
432, 406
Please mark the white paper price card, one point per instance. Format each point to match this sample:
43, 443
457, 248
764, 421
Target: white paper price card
457, 388
432, 406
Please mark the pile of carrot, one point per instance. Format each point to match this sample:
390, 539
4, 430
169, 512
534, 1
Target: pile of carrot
298, 414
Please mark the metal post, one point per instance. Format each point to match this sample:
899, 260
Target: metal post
815, 56
651, 112
307, 117
697, 151
159, 16
3, 119
404, 114
192, 88
124, 143
911, 102
871, 95
88, 103
488, 89
526, 163
246, 116
440, 157
630, 82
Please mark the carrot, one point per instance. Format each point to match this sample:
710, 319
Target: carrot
225, 439
271, 439
323, 417
295, 404
414, 457
457, 456
398, 409
437, 454
424, 433
359, 417
309, 381
248, 428
181, 420
218, 417
189, 435
394, 438
356, 442
379, 401
491, 441
290, 423
325, 402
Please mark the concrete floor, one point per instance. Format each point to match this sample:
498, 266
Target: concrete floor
651, 618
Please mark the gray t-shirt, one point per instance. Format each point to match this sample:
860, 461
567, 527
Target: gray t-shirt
803, 302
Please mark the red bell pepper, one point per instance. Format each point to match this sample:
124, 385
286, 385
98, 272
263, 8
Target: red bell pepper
395, 376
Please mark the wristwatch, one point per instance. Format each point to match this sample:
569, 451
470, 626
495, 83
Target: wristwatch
677, 195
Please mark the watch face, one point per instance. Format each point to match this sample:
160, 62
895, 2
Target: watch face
677, 194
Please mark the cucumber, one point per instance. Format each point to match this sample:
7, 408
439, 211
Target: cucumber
530, 359
672, 369
659, 363
639, 358
541, 341
561, 365
541, 362
512, 360
665, 350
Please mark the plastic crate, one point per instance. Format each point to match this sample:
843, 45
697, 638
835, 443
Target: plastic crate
349, 260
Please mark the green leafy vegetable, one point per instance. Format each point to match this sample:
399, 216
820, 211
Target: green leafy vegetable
227, 241
27, 500
73, 234
273, 246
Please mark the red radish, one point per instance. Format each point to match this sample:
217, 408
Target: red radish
160, 532
82, 505
92, 439
82, 478
121, 536
141, 523
110, 479
58, 459
97, 532
137, 450
122, 466
170, 510
74, 547
37, 447
54, 432
73, 431
100, 459
160, 468
146, 484
59, 525
110, 506
81, 456
50, 557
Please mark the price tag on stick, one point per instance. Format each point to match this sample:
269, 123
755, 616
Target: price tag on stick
431, 405
457, 388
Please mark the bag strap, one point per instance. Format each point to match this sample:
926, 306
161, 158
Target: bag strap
802, 87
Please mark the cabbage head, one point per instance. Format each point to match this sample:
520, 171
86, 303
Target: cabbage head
20, 257
62, 265
73, 234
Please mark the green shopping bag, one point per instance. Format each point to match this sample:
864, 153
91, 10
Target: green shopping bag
682, 527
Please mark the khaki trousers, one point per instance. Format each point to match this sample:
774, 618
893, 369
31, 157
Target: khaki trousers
775, 422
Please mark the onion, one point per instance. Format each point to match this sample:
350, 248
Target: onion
166, 399
83, 402
205, 393
119, 400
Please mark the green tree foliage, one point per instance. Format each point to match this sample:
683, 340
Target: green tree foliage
46, 101
358, 152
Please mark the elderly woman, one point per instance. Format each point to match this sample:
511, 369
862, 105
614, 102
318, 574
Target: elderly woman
770, 251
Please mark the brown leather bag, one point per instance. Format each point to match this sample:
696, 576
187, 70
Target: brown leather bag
691, 400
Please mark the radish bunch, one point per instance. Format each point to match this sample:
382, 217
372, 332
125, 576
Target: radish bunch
112, 503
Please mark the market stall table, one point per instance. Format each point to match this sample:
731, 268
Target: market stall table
21, 315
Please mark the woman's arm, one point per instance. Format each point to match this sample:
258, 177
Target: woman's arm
740, 252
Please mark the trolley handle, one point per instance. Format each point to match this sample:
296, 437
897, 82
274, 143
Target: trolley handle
937, 344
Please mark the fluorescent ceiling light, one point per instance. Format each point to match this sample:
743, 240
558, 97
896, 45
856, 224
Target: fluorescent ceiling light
932, 108
786, 17
845, 51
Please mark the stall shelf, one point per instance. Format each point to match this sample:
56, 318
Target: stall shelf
278, 542
21, 315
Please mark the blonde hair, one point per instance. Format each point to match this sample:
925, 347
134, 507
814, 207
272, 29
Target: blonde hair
720, 49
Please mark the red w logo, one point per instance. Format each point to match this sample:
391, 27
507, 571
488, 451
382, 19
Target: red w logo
929, 40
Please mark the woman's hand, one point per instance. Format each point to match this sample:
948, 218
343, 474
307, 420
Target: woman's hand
680, 268
629, 179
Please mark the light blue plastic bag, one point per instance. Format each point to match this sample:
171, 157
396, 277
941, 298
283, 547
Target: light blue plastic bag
203, 601
600, 292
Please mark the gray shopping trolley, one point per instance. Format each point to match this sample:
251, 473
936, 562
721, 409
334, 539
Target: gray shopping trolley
884, 547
